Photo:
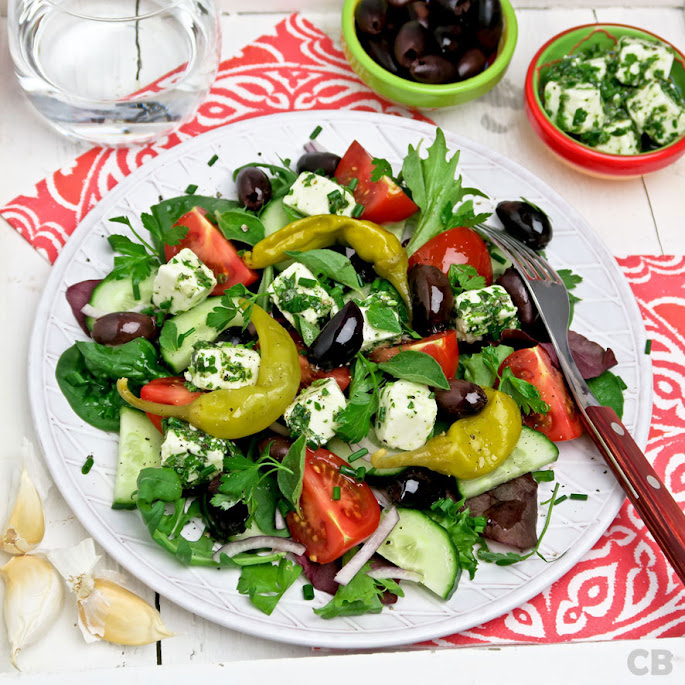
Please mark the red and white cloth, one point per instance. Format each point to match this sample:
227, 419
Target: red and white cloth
623, 588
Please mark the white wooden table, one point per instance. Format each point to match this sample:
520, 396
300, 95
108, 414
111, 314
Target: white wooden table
641, 216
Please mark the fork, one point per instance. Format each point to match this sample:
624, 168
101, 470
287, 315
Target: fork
645, 490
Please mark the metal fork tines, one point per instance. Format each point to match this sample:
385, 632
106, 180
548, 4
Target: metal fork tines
660, 512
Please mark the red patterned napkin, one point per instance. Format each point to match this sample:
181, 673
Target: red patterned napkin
623, 587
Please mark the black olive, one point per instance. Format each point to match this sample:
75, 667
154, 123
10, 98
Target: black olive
222, 523
458, 8
526, 223
340, 339
122, 327
380, 51
419, 11
278, 446
370, 16
433, 69
318, 162
254, 188
418, 488
461, 400
471, 63
363, 268
432, 299
450, 39
514, 285
398, 3
411, 42
489, 24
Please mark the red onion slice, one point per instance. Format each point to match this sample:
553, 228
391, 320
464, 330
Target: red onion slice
368, 549
396, 573
381, 498
314, 146
280, 429
276, 544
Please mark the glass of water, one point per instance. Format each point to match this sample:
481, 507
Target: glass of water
115, 72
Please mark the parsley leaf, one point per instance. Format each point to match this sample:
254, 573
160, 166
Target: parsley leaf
381, 168
481, 368
133, 261
465, 214
608, 389
265, 584
570, 280
354, 422
229, 308
170, 339
525, 394
465, 277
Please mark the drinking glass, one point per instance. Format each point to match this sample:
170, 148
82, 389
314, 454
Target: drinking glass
114, 72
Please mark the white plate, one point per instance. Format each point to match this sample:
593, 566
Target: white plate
608, 313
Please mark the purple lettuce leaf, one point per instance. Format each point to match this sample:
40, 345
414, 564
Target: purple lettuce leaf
78, 296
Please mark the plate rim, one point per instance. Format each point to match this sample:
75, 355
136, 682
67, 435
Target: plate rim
256, 627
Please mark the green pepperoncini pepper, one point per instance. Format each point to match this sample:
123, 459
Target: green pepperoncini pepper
370, 241
239, 412
472, 446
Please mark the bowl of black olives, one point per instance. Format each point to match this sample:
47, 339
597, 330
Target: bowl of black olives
429, 53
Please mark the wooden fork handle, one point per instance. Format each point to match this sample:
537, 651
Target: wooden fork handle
662, 515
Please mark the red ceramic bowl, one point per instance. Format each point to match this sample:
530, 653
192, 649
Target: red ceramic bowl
579, 156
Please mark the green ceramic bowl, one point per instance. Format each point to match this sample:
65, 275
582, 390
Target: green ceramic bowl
426, 95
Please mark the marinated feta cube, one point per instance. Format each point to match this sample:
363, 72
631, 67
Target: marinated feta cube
182, 283
312, 194
381, 319
657, 113
598, 66
195, 456
639, 60
406, 415
575, 109
314, 411
297, 292
216, 366
484, 313
619, 138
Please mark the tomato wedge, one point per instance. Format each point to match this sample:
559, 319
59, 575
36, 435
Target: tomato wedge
442, 347
383, 200
459, 245
166, 391
309, 373
213, 250
329, 527
534, 365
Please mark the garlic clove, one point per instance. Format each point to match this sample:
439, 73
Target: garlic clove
117, 615
33, 599
76, 564
26, 525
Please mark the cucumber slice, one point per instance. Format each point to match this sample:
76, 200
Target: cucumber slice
533, 451
194, 320
274, 217
140, 445
417, 543
371, 443
117, 296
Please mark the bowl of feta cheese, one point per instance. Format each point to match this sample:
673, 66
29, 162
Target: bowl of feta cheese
609, 100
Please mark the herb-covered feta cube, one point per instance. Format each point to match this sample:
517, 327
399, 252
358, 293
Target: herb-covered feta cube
639, 60
296, 291
182, 283
312, 194
381, 319
574, 108
215, 366
313, 412
406, 415
598, 67
619, 138
196, 456
656, 112
484, 313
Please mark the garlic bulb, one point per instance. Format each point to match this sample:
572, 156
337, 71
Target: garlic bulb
33, 599
106, 610
26, 525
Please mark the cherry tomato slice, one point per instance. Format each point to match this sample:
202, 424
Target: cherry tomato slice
442, 347
459, 245
166, 391
213, 250
383, 200
534, 365
329, 527
309, 373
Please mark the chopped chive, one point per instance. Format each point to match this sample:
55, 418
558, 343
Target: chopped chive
315, 133
353, 184
371, 471
87, 465
336, 493
578, 495
306, 282
543, 476
357, 455
360, 473
498, 258
358, 210
559, 500
648, 346
213, 160
308, 591
190, 190
347, 471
